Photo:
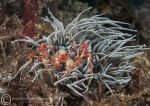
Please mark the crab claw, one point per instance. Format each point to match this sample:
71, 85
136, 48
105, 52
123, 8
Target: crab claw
90, 65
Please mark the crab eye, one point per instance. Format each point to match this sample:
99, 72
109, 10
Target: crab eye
69, 63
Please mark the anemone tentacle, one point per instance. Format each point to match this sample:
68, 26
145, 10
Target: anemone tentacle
95, 43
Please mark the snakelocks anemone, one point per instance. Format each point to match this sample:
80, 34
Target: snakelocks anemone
94, 48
